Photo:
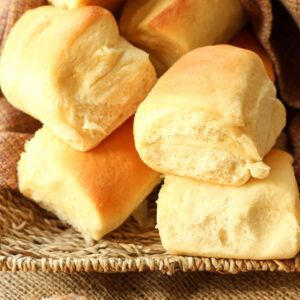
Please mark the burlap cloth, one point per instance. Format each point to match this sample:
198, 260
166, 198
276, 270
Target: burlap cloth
155, 286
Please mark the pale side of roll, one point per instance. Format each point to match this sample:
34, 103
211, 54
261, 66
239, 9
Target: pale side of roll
259, 220
247, 40
71, 70
212, 116
167, 29
112, 5
94, 191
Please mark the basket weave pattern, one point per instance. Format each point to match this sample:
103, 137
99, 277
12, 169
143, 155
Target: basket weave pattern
32, 239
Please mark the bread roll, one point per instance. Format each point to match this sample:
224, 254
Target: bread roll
212, 116
245, 39
167, 29
259, 220
112, 5
71, 70
94, 191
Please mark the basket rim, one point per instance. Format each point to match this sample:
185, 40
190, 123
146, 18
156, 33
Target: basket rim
167, 266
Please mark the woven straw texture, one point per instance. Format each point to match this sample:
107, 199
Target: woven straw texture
31, 239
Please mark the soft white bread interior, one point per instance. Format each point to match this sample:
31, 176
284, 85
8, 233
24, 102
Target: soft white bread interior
259, 220
167, 29
94, 191
212, 116
71, 70
112, 5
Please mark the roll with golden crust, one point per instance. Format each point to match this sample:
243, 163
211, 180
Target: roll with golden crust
72, 70
246, 39
112, 5
167, 29
259, 220
212, 116
94, 191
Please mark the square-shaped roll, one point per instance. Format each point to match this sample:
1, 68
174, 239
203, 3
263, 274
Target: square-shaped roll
212, 116
72, 70
94, 191
259, 220
167, 29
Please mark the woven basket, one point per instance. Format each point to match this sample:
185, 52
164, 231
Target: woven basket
32, 239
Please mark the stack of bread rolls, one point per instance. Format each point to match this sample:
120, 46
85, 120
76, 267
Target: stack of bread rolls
73, 71
209, 124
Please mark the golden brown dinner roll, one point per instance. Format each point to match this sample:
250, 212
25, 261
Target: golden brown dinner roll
71, 70
112, 5
94, 191
246, 39
167, 29
259, 220
212, 116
